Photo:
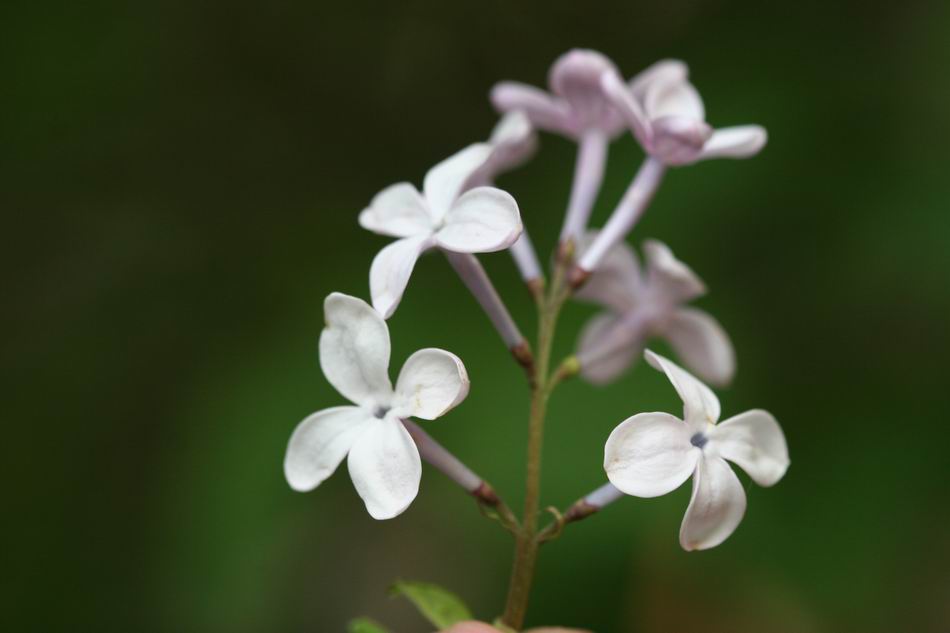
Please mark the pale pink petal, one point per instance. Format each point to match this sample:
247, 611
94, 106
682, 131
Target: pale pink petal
320, 443
702, 345
678, 140
753, 440
398, 210
354, 350
650, 455
605, 350
385, 466
700, 404
667, 97
483, 220
628, 107
741, 141
445, 182
662, 72
716, 507
672, 277
616, 283
431, 383
391, 269
575, 77
544, 111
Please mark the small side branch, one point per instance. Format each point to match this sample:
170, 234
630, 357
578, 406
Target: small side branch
580, 510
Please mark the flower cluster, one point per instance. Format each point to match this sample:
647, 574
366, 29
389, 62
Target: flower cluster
461, 213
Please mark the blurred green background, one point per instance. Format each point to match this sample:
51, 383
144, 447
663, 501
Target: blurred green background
180, 183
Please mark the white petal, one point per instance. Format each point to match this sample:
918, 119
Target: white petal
543, 110
673, 98
700, 404
513, 142
702, 345
741, 141
354, 350
616, 282
320, 443
650, 455
445, 182
716, 507
663, 71
575, 76
603, 351
483, 220
431, 382
665, 273
754, 441
391, 270
629, 108
398, 210
385, 467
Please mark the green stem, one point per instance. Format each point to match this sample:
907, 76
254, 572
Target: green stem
526, 542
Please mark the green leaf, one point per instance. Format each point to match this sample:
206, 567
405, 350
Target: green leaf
365, 625
440, 607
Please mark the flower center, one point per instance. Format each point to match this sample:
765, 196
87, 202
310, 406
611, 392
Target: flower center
699, 440
381, 412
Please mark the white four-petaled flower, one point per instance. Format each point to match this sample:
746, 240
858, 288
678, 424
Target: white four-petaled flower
480, 220
666, 115
652, 454
383, 460
646, 304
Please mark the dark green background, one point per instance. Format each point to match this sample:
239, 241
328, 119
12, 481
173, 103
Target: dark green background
180, 183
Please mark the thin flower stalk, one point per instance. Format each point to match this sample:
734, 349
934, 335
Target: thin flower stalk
452, 467
632, 206
476, 279
588, 176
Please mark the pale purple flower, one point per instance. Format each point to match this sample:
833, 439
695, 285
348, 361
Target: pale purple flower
642, 304
666, 115
382, 458
578, 108
576, 103
651, 454
480, 220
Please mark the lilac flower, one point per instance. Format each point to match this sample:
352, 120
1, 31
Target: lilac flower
651, 454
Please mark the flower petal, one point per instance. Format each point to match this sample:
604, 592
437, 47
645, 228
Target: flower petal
603, 351
483, 220
320, 443
754, 440
630, 110
544, 111
385, 466
445, 182
700, 404
679, 140
650, 455
670, 97
716, 507
391, 270
616, 282
398, 210
675, 279
741, 141
513, 142
661, 72
354, 350
575, 76
431, 382
702, 345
